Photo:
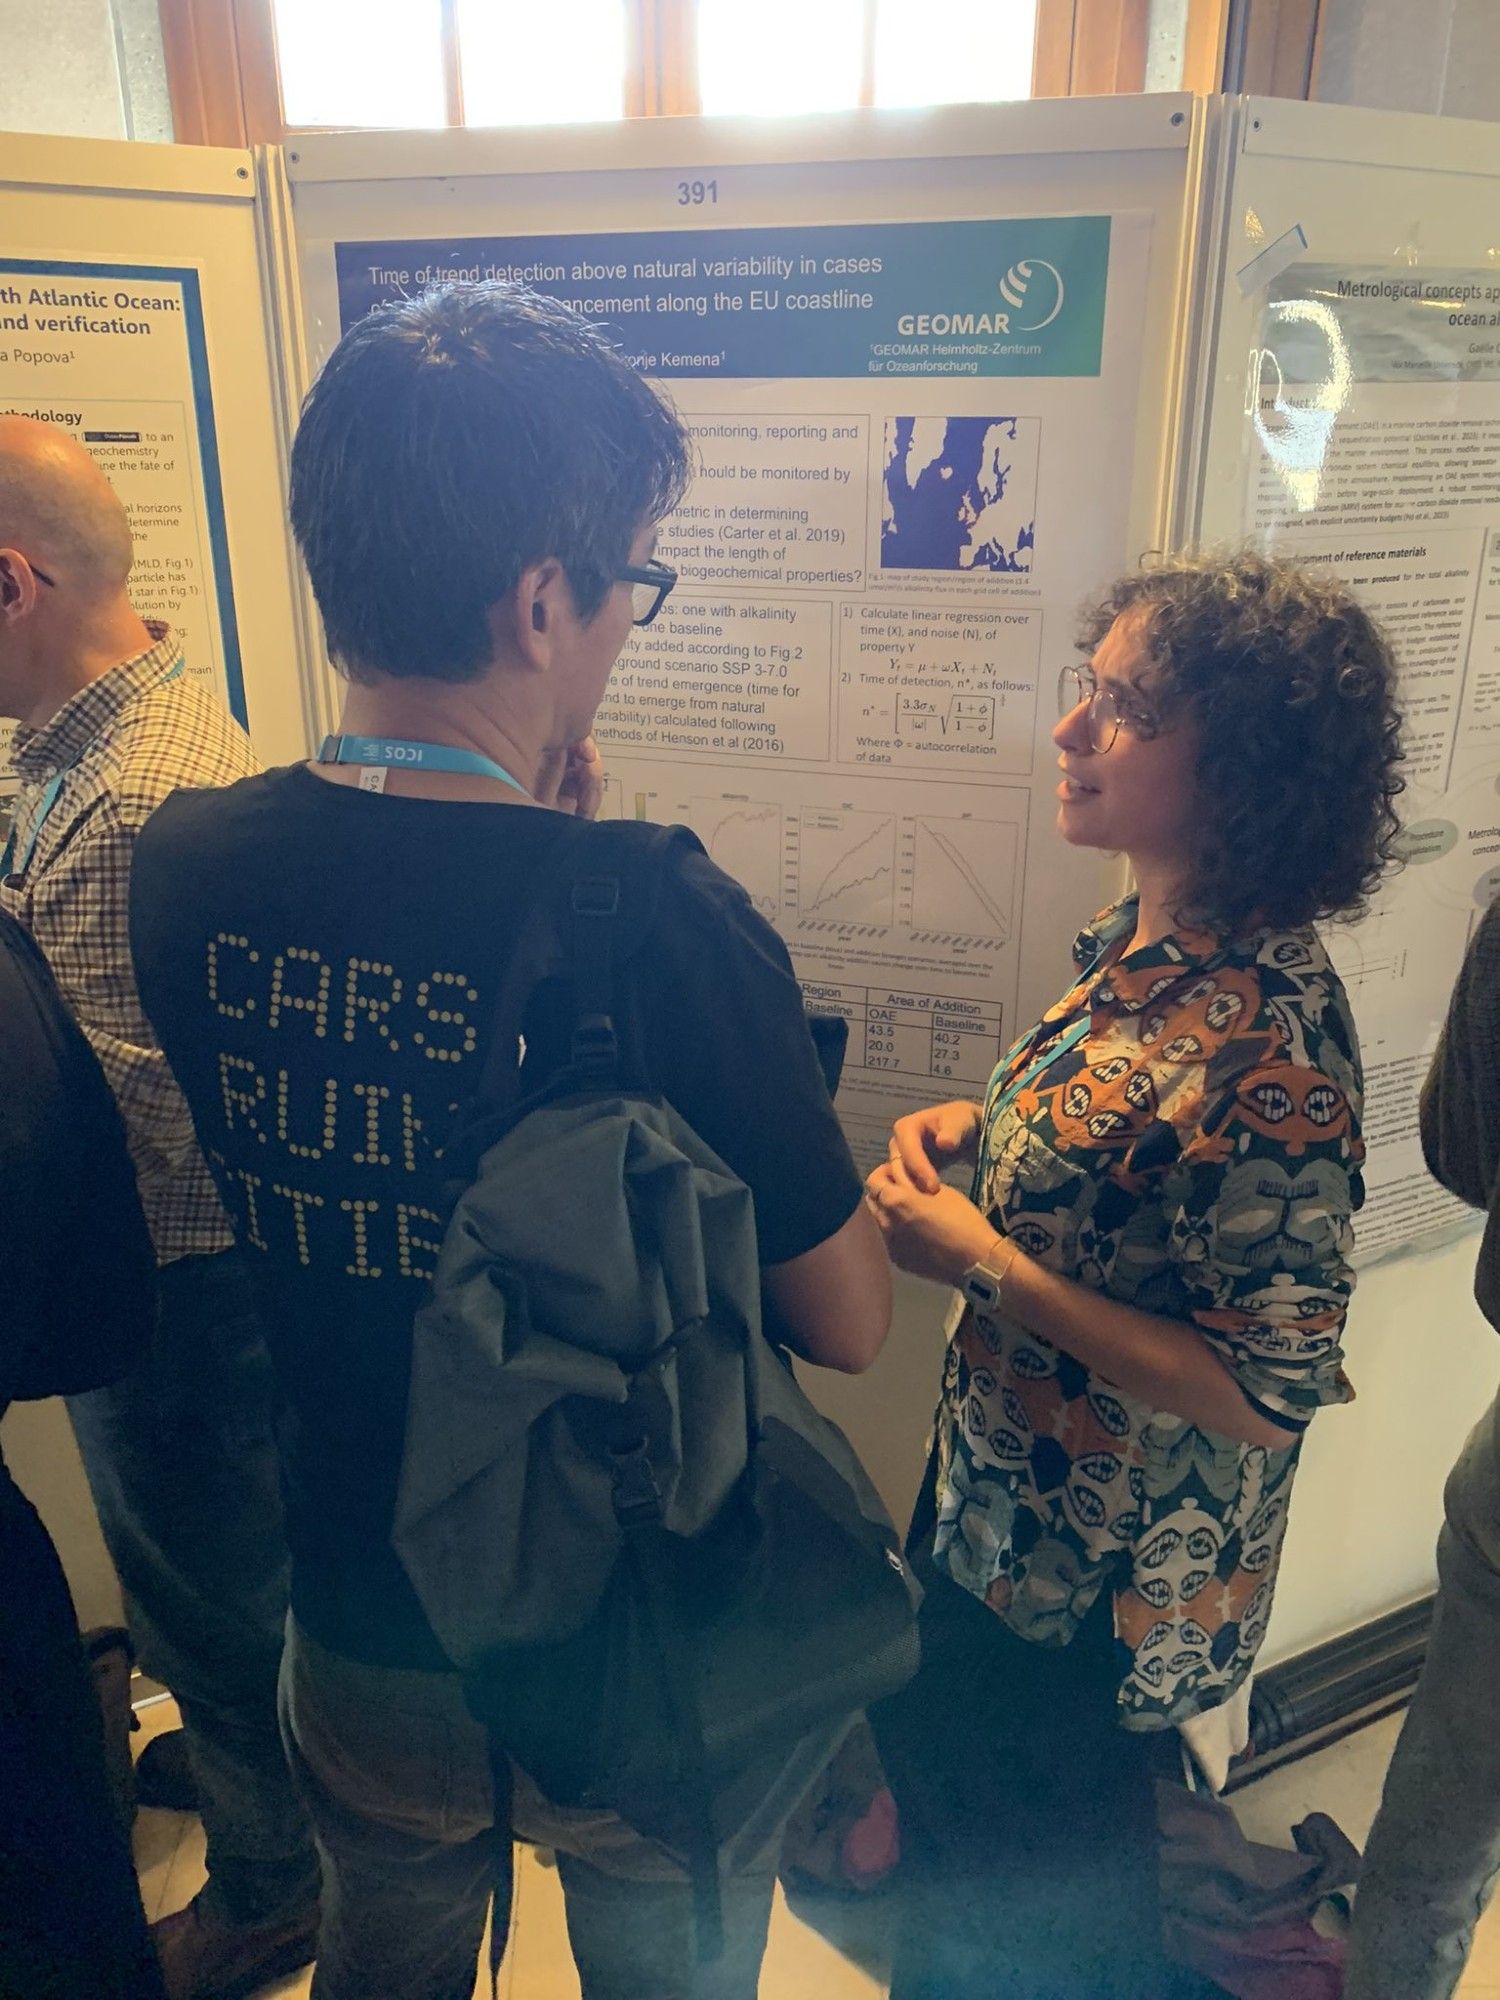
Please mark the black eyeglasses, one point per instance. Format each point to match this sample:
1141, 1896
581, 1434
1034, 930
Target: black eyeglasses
651, 584
1108, 709
41, 575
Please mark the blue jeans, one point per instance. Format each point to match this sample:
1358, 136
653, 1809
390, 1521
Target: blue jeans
397, 1774
1434, 1852
182, 1462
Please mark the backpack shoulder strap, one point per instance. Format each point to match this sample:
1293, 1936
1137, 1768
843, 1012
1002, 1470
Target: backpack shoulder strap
611, 910
592, 908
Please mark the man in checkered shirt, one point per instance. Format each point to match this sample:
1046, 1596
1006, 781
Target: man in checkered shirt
180, 1457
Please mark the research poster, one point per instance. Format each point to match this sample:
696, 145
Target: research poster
117, 356
1377, 453
915, 445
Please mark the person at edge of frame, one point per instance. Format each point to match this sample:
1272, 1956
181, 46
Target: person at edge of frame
1433, 1855
78, 1279
180, 1455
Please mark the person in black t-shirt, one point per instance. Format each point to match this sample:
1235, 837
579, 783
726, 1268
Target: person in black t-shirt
475, 486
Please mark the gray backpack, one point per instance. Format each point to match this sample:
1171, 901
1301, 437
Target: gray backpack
658, 1568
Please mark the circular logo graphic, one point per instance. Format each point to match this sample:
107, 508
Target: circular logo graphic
1034, 287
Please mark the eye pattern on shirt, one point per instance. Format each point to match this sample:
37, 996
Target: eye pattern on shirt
1290, 954
1300, 1107
1182, 1049
1140, 1090
1111, 1070
1222, 1011
1274, 1102
1102, 1466
1110, 1412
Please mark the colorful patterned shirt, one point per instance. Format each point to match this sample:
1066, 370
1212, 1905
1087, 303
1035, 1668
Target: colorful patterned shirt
1197, 1155
122, 745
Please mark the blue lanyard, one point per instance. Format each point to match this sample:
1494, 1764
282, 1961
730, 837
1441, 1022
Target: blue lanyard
395, 754
1001, 1100
9, 868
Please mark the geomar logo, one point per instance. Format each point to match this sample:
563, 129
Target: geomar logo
1032, 287
1033, 292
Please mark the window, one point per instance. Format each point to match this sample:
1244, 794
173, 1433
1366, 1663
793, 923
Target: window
781, 56
952, 51
361, 62
449, 62
245, 70
553, 63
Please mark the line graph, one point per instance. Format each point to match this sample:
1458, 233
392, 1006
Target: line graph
963, 879
1370, 952
744, 837
846, 866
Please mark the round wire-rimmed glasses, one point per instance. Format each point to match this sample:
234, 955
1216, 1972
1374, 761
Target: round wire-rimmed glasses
1107, 713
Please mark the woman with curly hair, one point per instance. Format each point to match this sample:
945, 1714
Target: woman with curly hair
1151, 1278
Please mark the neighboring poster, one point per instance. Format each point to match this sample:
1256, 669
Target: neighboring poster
1378, 454
916, 449
115, 354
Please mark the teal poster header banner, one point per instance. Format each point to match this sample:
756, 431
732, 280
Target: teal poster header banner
902, 298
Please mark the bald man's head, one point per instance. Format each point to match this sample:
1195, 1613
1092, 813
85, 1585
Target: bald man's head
60, 511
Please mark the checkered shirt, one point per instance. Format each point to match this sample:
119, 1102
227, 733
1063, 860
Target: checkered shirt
125, 742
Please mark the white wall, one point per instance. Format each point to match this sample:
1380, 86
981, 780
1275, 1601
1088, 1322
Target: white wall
1368, 1501
38, 1444
1411, 55
887, 1413
85, 69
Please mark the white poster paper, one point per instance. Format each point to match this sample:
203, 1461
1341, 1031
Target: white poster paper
1377, 454
915, 447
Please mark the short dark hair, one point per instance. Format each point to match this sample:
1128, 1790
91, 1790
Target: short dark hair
1292, 688
451, 441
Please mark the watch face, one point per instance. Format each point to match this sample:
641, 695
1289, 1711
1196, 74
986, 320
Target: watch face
981, 1289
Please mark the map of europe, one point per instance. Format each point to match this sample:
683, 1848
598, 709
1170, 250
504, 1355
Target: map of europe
959, 493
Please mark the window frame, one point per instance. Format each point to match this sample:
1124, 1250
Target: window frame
226, 90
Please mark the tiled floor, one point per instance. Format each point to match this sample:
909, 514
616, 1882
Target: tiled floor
801, 1964
1344, 1781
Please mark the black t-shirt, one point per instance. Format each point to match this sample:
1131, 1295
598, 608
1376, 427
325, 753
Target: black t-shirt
321, 966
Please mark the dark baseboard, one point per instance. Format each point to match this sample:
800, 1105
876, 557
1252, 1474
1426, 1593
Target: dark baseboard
1302, 1704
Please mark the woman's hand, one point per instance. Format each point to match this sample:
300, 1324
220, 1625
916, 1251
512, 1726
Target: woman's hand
937, 1235
581, 790
944, 1135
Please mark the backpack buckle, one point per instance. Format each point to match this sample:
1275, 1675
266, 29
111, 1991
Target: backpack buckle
637, 1496
596, 896
596, 1047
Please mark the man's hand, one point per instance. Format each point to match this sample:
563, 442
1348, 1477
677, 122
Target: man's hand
581, 790
936, 1236
943, 1135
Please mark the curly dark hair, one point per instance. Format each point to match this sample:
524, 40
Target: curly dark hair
1292, 688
